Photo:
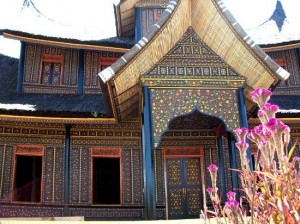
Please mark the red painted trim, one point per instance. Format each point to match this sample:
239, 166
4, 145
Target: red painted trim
32, 153
94, 155
51, 59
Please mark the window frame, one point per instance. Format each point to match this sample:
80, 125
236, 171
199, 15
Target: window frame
106, 61
102, 152
27, 150
282, 63
51, 59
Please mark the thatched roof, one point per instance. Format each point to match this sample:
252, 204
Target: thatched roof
269, 22
119, 44
216, 26
42, 104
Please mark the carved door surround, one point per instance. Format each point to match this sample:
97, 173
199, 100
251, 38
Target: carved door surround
184, 178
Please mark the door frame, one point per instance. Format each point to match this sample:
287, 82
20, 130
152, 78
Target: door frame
183, 152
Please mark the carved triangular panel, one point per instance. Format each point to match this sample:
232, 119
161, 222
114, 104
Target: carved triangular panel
191, 57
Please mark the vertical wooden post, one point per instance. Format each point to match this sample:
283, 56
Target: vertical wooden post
149, 182
138, 24
233, 164
21, 68
243, 119
222, 165
298, 55
80, 72
66, 170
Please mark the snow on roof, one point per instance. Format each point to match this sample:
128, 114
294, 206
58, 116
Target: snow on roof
82, 20
268, 21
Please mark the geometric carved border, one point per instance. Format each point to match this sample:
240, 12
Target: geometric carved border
106, 152
168, 104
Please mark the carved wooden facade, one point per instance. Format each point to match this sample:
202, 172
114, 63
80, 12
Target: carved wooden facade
182, 112
51, 69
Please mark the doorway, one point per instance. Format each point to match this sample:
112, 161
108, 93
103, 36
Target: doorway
184, 179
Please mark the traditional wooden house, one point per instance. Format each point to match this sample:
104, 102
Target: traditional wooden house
134, 143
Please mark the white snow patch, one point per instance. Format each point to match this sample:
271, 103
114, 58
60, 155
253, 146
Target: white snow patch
16, 106
9, 47
289, 111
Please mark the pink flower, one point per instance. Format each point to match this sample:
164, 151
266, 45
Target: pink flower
263, 144
241, 133
259, 133
233, 205
261, 96
254, 136
276, 125
263, 117
266, 112
270, 110
281, 136
242, 146
212, 167
267, 153
210, 189
296, 158
230, 195
213, 174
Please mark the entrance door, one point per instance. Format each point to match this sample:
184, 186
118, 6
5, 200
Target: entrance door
184, 195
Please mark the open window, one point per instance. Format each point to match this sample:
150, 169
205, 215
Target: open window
51, 70
28, 170
106, 176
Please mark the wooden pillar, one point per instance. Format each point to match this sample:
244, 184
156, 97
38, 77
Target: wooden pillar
66, 170
221, 165
147, 138
21, 68
233, 163
298, 55
80, 72
243, 119
138, 24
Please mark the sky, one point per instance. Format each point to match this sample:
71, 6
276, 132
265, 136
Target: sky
94, 19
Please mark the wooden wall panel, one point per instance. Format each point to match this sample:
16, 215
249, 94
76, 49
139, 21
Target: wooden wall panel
6, 171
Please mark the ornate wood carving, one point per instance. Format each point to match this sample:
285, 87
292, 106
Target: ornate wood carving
30, 149
106, 152
183, 151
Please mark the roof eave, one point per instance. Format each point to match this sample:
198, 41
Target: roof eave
64, 44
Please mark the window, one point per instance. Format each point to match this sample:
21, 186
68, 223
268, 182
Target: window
106, 62
51, 70
281, 63
106, 176
28, 171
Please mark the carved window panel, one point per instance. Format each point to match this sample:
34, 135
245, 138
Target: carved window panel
51, 70
106, 62
28, 174
106, 176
